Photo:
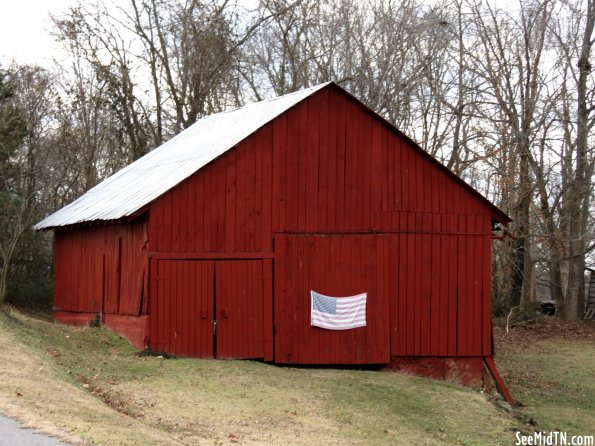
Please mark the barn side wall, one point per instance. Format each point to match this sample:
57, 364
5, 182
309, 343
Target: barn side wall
101, 270
328, 166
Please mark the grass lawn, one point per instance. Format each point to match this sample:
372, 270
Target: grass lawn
88, 386
550, 368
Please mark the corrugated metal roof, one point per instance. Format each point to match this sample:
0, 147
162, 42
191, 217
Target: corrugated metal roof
141, 182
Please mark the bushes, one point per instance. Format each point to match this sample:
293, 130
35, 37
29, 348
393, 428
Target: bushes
30, 282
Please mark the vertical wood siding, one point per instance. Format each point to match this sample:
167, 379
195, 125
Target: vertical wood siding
239, 301
442, 304
102, 268
183, 308
334, 266
327, 167
191, 294
225, 207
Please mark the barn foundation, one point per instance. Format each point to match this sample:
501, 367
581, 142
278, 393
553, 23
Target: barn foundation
74, 318
134, 328
468, 371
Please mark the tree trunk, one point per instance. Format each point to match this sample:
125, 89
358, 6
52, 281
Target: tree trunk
6, 259
3, 283
579, 196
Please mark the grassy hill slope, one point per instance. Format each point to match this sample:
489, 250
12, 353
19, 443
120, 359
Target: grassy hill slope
88, 386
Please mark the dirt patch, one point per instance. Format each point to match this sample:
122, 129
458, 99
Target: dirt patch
113, 400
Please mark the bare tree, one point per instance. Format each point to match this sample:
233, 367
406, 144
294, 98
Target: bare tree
282, 56
89, 141
510, 61
575, 48
92, 35
502, 97
26, 95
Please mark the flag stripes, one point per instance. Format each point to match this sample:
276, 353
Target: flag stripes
338, 313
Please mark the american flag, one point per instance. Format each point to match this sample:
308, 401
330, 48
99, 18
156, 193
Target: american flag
338, 313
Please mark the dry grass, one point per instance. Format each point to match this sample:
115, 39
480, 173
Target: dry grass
41, 394
550, 365
87, 385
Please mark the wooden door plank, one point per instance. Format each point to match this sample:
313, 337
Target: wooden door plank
268, 327
425, 295
435, 292
453, 287
303, 165
443, 289
324, 161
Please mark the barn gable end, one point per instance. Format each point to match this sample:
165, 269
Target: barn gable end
326, 165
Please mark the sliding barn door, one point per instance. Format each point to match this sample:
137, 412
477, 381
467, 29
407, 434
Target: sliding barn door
337, 266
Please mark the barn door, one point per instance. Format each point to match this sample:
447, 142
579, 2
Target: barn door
184, 311
239, 309
337, 266
209, 308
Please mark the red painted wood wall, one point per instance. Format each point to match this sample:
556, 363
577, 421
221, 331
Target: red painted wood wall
102, 268
330, 172
326, 165
329, 166
334, 265
191, 294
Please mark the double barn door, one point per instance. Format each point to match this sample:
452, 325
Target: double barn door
210, 308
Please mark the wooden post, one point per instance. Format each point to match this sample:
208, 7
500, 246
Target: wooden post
489, 361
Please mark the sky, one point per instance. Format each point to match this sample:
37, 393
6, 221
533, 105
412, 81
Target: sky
25, 31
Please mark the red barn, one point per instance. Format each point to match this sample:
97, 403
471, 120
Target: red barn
210, 245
